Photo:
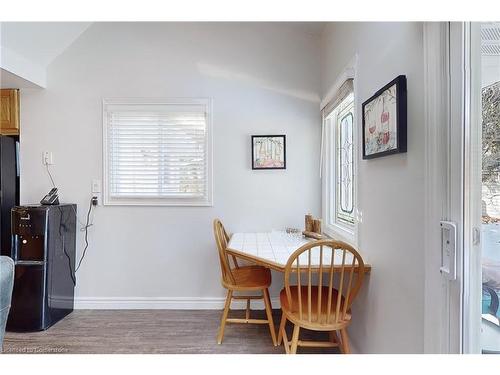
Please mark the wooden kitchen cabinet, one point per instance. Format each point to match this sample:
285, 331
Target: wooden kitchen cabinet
9, 112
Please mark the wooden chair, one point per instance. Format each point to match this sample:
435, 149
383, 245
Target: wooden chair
320, 307
242, 279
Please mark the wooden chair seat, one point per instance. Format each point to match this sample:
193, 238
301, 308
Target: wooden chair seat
321, 322
248, 278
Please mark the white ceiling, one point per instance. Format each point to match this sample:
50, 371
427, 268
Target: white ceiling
27, 48
312, 28
40, 42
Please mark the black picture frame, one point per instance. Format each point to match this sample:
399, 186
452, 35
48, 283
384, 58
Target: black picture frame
254, 167
401, 118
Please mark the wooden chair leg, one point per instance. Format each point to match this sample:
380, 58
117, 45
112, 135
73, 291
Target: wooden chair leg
333, 337
224, 316
247, 313
282, 328
295, 339
346, 349
269, 311
286, 344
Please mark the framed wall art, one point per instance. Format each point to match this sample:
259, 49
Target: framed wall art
384, 120
268, 152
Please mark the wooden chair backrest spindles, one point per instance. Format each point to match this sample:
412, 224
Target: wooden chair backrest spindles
222, 240
332, 258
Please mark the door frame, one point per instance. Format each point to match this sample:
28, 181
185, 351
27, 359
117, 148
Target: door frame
444, 140
472, 293
452, 308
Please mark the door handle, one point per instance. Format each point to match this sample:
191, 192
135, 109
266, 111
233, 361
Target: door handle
448, 250
476, 236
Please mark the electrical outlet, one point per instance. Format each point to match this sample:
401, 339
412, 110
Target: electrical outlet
47, 158
96, 192
96, 199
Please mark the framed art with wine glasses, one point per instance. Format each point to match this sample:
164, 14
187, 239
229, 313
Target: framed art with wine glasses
384, 120
268, 152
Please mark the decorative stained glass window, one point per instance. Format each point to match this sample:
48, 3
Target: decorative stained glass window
345, 175
340, 130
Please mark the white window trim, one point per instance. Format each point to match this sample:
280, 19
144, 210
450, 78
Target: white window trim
207, 202
346, 233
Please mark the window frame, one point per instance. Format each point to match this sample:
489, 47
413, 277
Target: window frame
342, 114
206, 200
347, 232
336, 227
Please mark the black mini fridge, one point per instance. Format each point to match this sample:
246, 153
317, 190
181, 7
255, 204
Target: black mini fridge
9, 188
43, 249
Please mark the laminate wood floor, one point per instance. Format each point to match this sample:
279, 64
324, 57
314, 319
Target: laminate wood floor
153, 331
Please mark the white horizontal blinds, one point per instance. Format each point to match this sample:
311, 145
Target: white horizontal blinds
346, 89
157, 151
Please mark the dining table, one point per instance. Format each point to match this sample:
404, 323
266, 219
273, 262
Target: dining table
270, 249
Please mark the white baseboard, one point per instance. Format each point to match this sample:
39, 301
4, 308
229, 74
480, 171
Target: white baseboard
164, 303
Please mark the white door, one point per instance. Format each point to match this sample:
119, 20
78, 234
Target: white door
444, 99
481, 289
463, 188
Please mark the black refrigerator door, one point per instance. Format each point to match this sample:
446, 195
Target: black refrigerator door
8, 181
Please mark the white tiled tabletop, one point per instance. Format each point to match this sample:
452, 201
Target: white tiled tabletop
276, 247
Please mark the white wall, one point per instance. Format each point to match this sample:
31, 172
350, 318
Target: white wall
389, 312
263, 78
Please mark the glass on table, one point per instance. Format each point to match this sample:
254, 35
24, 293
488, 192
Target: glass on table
293, 235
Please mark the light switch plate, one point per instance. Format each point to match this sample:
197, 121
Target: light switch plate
359, 216
96, 186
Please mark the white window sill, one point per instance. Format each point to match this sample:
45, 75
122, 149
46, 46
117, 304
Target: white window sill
157, 202
341, 233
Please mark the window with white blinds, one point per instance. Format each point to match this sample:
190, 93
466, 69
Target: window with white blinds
157, 152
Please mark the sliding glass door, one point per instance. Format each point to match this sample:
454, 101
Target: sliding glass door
488, 95
481, 289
